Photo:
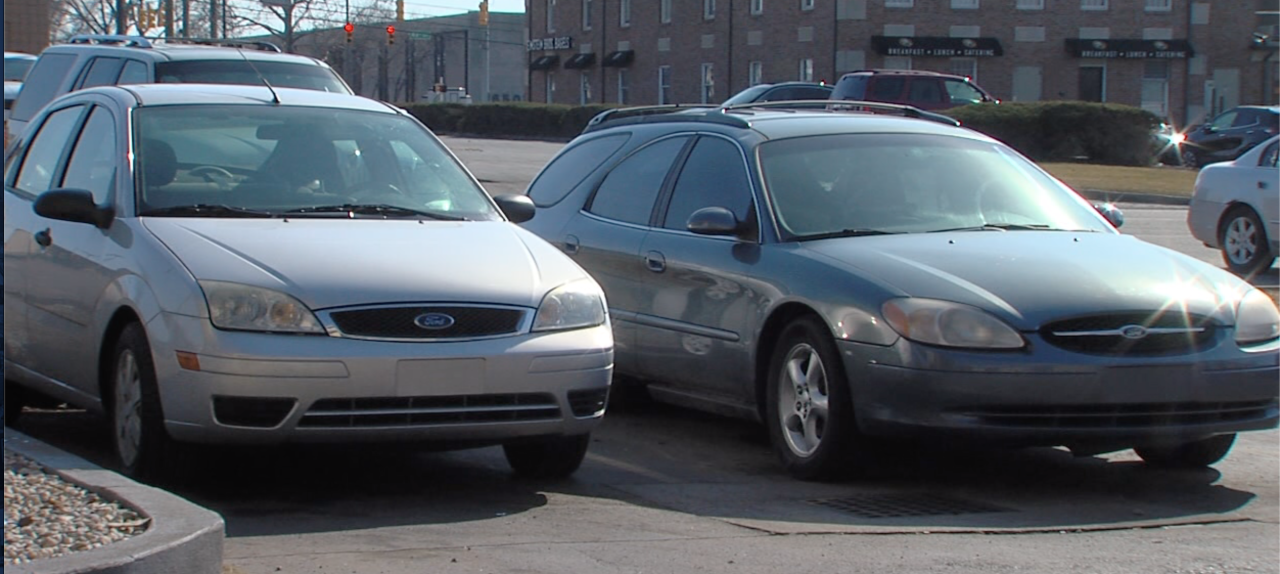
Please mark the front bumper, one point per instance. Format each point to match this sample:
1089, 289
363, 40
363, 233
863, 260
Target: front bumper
1051, 397
272, 388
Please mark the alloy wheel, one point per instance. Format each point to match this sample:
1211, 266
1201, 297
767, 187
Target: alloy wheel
1240, 241
127, 396
803, 400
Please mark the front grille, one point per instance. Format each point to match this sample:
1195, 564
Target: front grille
1145, 415
257, 412
588, 403
392, 412
399, 322
1166, 334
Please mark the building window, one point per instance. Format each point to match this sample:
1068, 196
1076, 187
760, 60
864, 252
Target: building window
664, 85
899, 3
664, 11
1093, 83
755, 73
1093, 4
757, 7
806, 69
551, 88
964, 4
624, 13
584, 89
624, 86
708, 84
967, 67
806, 5
586, 14
1159, 5
708, 9
551, 15
1155, 87
1031, 4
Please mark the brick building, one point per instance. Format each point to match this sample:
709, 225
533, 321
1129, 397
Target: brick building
1178, 58
26, 25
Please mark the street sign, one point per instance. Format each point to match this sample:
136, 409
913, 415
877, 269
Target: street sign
417, 35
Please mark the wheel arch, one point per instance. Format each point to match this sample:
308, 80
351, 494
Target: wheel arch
778, 319
123, 317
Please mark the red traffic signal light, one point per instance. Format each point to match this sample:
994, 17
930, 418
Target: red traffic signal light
391, 34
350, 29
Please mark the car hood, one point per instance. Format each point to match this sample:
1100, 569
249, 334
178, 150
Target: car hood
339, 262
1031, 277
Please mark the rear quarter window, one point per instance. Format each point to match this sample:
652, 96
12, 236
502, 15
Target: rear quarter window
42, 84
568, 170
850, 88
307, 76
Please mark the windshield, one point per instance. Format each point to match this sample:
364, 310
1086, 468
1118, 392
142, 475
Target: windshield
256, 160
864, 184
280, 74
15, 69
748, 95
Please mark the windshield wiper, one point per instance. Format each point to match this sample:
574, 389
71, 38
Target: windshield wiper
847, 233
374, 209
206, 210
1003, 227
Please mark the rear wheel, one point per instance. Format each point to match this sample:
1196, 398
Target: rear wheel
547, 457
1194, 454
1244, 244
1190, 158
808, 408
137, 423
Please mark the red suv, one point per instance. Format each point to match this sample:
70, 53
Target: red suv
924, 90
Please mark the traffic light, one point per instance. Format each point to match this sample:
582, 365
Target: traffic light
351, 29
391, 35
484, 12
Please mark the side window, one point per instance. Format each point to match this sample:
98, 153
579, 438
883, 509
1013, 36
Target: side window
1224, 121
41, 162
925, 90
962, 93
811, 94
42, 83
134, 72
1244, 118
886, 88
714, 175
571, 167
102, 72
1270, 156
628, 192
92, 164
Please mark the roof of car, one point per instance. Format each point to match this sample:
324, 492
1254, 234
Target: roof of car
179, 49
205, 94
903, 72
19, 56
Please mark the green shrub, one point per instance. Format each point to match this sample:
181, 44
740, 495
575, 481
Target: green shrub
506, 119
1067, 131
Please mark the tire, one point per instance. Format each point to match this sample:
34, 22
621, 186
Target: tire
142, 445
547, 457
1194, 454
14, 401
808, 410
1190, 158
1243, 241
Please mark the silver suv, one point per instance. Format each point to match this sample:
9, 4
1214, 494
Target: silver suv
92, 60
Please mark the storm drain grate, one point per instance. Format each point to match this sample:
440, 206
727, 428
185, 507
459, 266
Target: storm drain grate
900, 505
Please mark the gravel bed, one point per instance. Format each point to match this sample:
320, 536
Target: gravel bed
46, 516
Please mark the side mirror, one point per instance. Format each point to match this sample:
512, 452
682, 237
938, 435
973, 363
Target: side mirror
1111, 212
74, 205
517, 208
713, 221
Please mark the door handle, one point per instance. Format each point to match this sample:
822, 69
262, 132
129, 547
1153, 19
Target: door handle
655, 262
570, 245
1262, 185
44, 238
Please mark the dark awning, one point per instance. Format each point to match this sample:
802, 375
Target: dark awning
936, 46
579, 61
1169, 49
619, 59
544, 62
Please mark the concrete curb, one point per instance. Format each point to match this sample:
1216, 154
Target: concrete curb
182, 536
1123, 197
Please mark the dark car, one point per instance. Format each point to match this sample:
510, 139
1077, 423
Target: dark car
917, 88
850, 276
779, 92
1229, 135
92, 60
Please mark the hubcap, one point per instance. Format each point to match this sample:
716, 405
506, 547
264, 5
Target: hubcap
803, 400
1240, 242
128, 408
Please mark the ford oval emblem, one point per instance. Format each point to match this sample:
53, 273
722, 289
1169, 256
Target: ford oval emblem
433, 321
1133, 331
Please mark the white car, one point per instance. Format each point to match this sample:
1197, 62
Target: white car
1236, 208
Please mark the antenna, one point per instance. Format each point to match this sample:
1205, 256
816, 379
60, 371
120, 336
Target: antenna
275, 98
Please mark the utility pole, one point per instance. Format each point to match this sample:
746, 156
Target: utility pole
121, 16
186, 18
213, 18
168, 18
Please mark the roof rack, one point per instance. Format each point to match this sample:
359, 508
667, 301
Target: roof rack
226, 43
117, 39
848, 106
665, 113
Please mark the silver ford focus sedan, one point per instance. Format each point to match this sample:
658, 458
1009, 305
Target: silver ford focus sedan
231, 264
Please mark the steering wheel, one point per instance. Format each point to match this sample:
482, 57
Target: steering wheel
208, 171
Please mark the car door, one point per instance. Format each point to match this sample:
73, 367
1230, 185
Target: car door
606, 236
926, 94
1216, 136
72, 263
697, 307
1266, 178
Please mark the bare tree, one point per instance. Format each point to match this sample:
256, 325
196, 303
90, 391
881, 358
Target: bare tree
71, 17
289, 20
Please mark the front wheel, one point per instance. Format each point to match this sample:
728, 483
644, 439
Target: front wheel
1194, 454
809, 410
141, 442
1245, 249
547, 457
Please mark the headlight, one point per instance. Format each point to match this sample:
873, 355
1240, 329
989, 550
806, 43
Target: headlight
571, 306
1257, 319
949, 324
247, 308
